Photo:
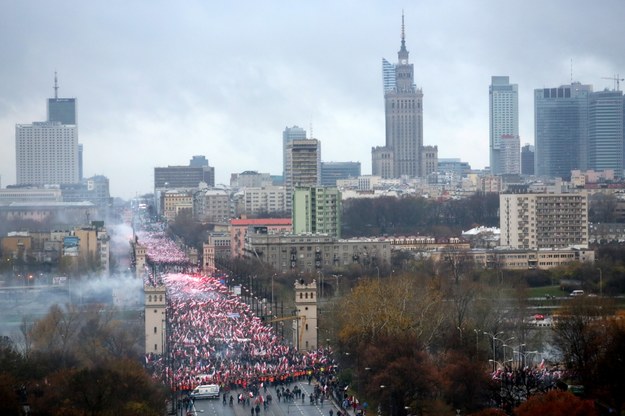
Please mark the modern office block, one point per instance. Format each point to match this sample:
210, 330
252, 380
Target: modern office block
333, 171
503, 123
605, 132
561, 129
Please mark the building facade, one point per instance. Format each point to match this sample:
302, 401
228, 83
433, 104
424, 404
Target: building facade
288, 135
46, 153
212, 205
240, 227
527, 160
183, 177
317, 210
509, 155
560, 129
255, 201
303, 166
503, 120
544, 221
312, 253
606, 143
333, 171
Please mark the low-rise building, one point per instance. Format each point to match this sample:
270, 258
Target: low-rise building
239, 228
310, 253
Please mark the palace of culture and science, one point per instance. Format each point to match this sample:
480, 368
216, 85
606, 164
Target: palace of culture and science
404, 154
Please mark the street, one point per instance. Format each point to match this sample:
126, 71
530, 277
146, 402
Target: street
216, 407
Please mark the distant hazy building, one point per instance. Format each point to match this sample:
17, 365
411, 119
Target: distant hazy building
250, 179
509, 155
429, 160
288, 135
94, 189
454, 165
317, 210
404, 116
561, 129
190, 176
333, 171
504, 121
382, 159
303, 165
606, 142
48, 152
537, 221
388, 76
527, 160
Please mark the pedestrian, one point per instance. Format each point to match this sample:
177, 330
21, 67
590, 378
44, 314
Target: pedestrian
332, 412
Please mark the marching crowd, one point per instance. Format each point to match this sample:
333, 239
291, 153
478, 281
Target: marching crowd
212, 336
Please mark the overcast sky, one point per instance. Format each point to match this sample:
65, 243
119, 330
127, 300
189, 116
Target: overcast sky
160, 81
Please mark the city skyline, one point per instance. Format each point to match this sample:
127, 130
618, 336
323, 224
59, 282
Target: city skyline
156, 83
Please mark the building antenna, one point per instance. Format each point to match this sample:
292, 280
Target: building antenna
403, 31
571, 70
56, 87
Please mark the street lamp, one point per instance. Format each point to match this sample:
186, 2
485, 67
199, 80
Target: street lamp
505, 344
494, 337
600, 281
477, 333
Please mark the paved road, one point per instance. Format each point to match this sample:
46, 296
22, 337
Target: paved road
296, 408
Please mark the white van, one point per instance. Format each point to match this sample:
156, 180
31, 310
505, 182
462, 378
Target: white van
206, 391
577, 293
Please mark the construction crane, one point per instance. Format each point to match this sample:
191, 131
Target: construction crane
617, 81
300, 327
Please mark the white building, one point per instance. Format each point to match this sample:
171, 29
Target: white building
46, 153
267, 199
537, 221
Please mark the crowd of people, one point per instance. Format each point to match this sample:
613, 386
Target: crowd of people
213, 337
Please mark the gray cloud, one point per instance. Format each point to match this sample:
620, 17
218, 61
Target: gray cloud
158, 82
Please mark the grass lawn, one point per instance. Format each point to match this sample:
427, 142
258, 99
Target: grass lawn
542, 291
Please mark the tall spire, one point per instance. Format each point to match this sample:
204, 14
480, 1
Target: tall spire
403, 31
56, 87
403, 52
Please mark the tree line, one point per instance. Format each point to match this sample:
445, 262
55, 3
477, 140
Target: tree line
77, 361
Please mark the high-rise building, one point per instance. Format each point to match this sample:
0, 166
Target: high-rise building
62, 110
317, 210
509, 154
303, 166
527, 160
605, 131
332, 171
288, 135
388, 76
561, 129
48, 152
504, 120
403, 103
538, 221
